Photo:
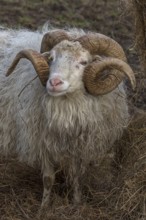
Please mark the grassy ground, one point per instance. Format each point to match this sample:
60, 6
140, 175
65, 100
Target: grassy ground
96, 15
33, 13
116, 195
101, 16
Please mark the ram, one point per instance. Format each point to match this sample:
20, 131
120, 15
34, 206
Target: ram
72, 111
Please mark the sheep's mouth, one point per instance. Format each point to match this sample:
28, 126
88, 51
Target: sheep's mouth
56, 92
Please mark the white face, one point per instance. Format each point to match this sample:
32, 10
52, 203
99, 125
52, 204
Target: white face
67, 64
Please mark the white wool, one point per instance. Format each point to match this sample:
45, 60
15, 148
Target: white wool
44, 129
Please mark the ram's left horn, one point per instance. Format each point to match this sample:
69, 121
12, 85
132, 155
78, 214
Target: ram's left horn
98, 83
38, 60
99, 44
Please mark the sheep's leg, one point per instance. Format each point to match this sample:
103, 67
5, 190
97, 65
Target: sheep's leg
76, 182
48, 181
76, 191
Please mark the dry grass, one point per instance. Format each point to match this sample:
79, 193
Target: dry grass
137, 10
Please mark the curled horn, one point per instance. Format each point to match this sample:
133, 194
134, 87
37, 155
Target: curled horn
50, 39
99, 44
97, 83
38, 60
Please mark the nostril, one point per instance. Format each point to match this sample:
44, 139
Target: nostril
55, 82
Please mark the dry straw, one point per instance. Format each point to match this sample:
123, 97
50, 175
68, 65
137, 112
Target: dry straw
137, 9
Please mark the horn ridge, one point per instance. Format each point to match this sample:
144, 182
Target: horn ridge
98, 85
38, 61
102, 45
50, 39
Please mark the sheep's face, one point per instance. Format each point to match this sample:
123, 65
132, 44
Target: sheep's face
67, 63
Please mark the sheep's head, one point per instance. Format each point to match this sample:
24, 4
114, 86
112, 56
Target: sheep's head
66, 64
67, 61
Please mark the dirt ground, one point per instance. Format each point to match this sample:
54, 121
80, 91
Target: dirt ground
20, 185
96, 15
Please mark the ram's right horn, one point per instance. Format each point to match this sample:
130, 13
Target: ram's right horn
50, 39
38, 60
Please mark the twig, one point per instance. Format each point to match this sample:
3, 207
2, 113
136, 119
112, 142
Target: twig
27, 85
23, 212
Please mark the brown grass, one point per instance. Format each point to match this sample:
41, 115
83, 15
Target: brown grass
137, 9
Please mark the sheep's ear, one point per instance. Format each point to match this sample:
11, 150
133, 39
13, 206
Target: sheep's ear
48, 57
104, 75
96, 58
38, 60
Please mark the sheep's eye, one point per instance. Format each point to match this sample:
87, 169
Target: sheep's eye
84, 63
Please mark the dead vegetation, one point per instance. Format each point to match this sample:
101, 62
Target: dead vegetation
137, 10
